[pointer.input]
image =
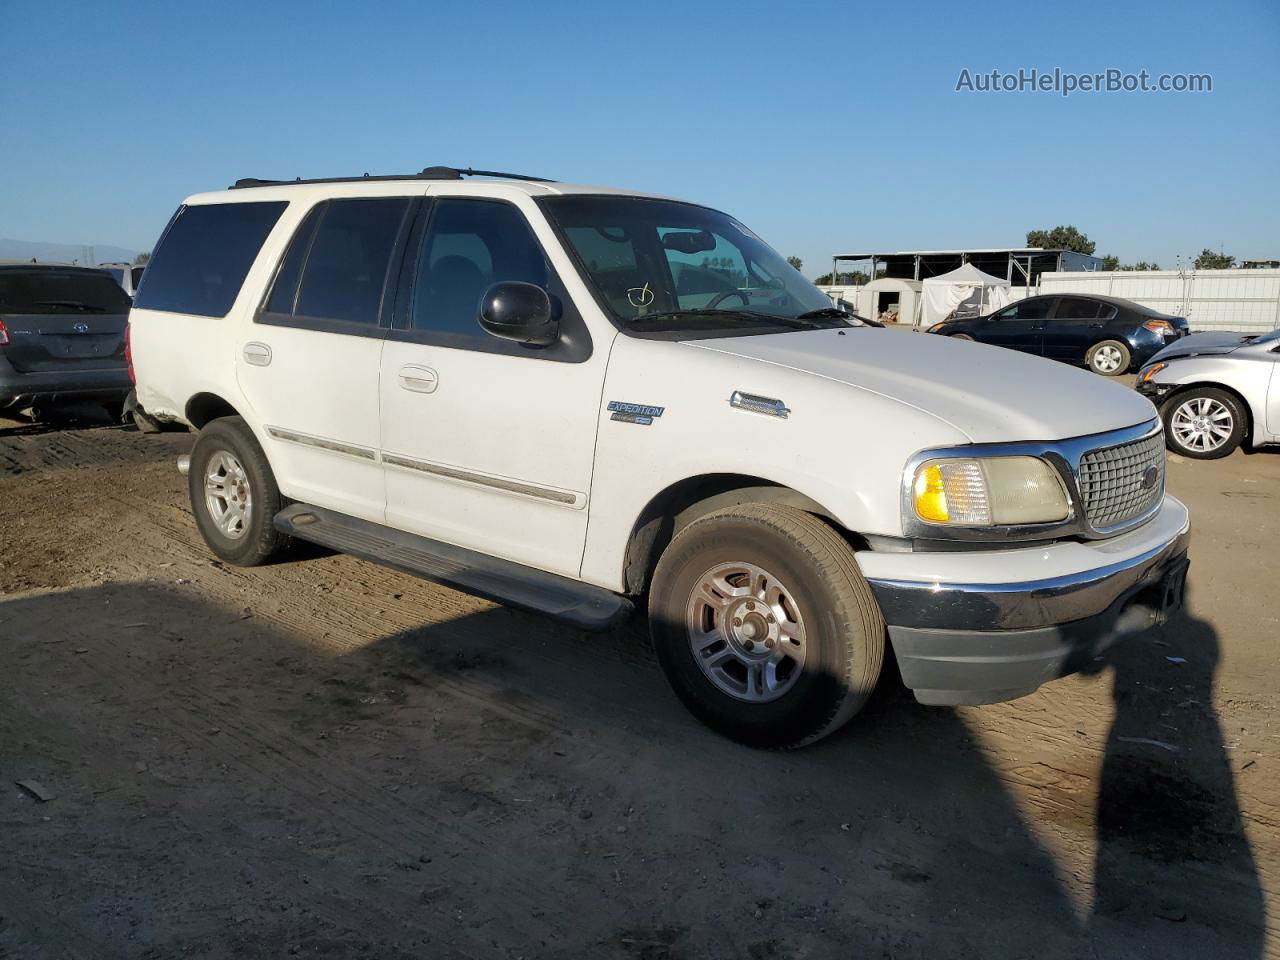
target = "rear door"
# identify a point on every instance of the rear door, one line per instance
(309, 363)
(62, 319)
(1019, 326)
(1076, 324)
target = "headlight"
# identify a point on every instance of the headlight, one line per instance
(989, 491)
(936, 327)
(1151, 371)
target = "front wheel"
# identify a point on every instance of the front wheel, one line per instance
(1110, 358)
(234, 495)
(764, 625)
(961, 336)
(1203, 423)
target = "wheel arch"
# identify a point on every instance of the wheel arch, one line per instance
(206, 407)
(680, 504)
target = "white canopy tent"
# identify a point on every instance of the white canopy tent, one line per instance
(965, 292)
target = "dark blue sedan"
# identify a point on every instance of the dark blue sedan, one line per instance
(1109, 335)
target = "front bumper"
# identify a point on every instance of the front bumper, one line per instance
(963, 633)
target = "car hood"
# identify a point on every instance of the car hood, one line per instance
(1202, 344)
(988, 393)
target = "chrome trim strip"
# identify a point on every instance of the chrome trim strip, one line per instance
(1030, 604)
(333, 446)
(480, 479)
(754, 403)
(1063, 455)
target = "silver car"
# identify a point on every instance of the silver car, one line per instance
(1216, 391)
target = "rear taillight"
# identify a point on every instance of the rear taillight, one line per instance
(1160, 326)
(4, 334)
(128, 355)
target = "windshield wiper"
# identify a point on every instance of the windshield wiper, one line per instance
(795, 323)
(71, 303)
(824, 313)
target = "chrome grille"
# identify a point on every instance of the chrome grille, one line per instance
(1111, 481)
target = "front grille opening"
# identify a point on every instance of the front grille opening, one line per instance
(1115, 482)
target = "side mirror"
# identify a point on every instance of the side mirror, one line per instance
(519, 311)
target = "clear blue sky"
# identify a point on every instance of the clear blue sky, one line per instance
(824, 126)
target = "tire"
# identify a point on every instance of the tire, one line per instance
(1204, 423)
(241, 532)
(813, 590)
(961, 336)
(1110, 358)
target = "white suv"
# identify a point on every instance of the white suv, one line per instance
(569, 398)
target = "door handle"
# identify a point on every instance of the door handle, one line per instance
(258, 354)
(418, 379)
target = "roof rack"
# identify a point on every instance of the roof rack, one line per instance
(430, 173)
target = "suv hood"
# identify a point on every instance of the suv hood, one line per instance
(990, 394)
(1202, 344)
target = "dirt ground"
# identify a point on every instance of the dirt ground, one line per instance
(323, 758)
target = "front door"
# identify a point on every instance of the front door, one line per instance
(487, 443)
(1019, 326)
(309, 365)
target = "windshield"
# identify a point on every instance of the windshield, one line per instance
(678, 266)
(52, 291)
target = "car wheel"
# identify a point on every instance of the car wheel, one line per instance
(764, 625)
(1111, 358)
(961, 336)
(234, 494)
(1204, 423)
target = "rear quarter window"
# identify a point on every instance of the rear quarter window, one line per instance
(204, 255)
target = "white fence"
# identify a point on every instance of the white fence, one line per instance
(1245, 300)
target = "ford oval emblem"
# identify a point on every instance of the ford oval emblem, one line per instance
(1149, 477)
(81, 328)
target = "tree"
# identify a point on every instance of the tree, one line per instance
(1061, 238)
(795, 262)
(1110, 262)
(1208, 260)
(141, 259)
(857, 278)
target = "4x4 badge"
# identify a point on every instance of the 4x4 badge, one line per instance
(640, 413)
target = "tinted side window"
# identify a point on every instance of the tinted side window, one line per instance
(470, 245)
(346, 267)
(285, 289)
(1027, 310)
(204, 256)
(1076, 308)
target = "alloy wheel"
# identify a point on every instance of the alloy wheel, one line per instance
(1202, 424)
(227, 495)
(746, 632)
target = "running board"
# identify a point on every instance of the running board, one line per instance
(585, 606)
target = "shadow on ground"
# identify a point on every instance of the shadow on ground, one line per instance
(500, 786)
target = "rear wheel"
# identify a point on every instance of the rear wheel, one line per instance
(1110, 358)
(1204, 423)
(764, 625)
(234, 495)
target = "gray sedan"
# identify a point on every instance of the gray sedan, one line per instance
(1216, 391)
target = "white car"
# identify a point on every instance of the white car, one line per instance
(577, 400)
(128, 275)
(1215, 391)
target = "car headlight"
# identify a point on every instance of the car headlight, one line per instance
(936, 327)
(989, 491)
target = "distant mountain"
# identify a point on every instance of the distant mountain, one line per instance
(65, 252)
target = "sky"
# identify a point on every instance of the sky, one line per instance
(825, 127)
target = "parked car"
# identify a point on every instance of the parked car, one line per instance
(1216, 391)
(577, 400)
(61, 335)
(128, 275)
(1107, 334)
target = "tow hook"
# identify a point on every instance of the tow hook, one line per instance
(184, 464)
